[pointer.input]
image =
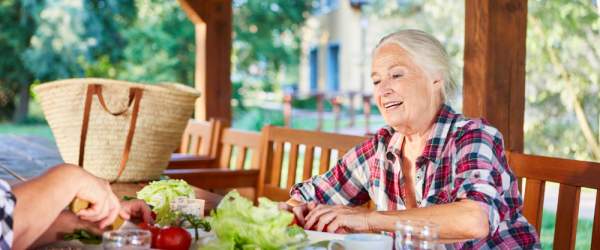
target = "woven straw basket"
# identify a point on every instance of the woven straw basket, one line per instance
(124, 132)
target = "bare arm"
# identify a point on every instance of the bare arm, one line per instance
(458, 221)
(66, 222)
(41, 200)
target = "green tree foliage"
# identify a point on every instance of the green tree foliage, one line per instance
(563, 79)
(17, 27)
(71, 32)
(139, 40)
(267, 41)
(161, 44)
(48, 40)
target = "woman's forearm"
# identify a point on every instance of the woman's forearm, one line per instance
(458, 221)
(40, 200)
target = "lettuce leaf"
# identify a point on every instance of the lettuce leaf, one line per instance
(240, 225)
(159, 194)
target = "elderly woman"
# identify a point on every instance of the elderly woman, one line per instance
(430, 163)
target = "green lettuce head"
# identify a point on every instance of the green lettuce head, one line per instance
(240, 225)
(159, 195)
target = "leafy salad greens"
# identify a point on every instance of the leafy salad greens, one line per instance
(240, 225)
(159, 194)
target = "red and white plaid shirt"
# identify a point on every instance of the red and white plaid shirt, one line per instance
(463, 159)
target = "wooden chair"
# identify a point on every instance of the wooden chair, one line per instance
(572, 175)
(285, 147)
(236, 167)
(198, 145)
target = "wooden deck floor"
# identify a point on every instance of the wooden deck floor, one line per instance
(28, 156)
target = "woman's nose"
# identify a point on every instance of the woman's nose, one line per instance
(384, 89)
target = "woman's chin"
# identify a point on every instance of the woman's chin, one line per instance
(397, 124)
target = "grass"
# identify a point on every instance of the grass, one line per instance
(584, 231)
(34, 125)
(41, 130)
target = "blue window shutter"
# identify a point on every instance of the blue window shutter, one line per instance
(333, 68)
(313, 60)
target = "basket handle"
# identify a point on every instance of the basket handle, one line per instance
(135, 96)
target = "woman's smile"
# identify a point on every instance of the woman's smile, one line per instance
(392, 105)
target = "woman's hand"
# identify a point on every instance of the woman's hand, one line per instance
(299, 209)
(66, 222)
(338, 219)
(136, 209)
(104, 204)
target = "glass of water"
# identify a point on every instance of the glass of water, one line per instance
(127, 239)
(416, 235)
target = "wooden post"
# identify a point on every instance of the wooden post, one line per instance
(213, 24)
(494, 72)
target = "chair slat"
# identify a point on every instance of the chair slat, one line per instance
(271, 157)
(566, 217)
(571, 172)
(596, 228)
(309, 151)
(185, 143)
(194, 148)
(292, 165)
(277, 161)
(533, 203)
(255, 155)
(241, 157)
(225, 157)
(324, 163)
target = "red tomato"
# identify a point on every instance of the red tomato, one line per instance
(173, 238)
(153, 231)
(295, 222)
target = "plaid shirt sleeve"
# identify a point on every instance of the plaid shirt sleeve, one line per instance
(345, 184)
(7, 205)
(482, 174)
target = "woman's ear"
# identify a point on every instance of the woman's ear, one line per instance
(438, 81)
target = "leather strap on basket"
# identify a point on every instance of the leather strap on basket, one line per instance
(135, 96)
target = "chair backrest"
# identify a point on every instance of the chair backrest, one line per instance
(572, 175)
(239, 149)
(284, 149)
(200, 138)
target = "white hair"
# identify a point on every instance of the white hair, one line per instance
(427, 52)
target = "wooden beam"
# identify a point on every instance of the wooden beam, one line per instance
(216, 178)
(213, 24)
(494, 71)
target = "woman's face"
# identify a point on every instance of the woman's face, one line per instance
(407, 97)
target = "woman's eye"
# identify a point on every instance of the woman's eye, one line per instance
(376, 82)
(396, 76)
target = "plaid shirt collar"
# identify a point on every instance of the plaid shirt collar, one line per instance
(435, 142)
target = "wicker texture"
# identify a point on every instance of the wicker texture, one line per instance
(163, 115)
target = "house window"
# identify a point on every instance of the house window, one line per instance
(333, 68)
(313, 60)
